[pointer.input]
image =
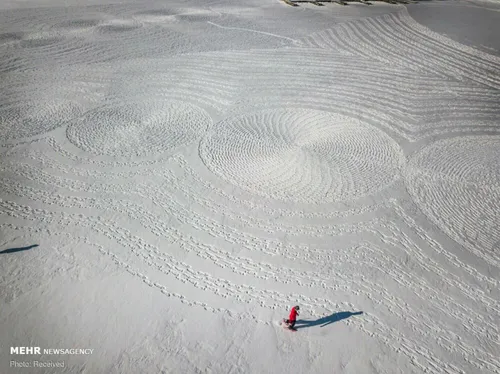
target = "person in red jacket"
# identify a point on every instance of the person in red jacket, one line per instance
(292, 318)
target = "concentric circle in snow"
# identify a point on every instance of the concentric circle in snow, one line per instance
(77, 25)
(35, 118)
(302, 155)
(137, 129)
(456, 183)
(117, 27)
(40, 39)
(155, 15)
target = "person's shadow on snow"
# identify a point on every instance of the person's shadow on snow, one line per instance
(323, 321)
(13, 250)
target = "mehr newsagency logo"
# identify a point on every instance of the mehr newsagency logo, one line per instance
(50, 351)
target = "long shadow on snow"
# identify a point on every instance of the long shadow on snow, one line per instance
(323, 321)
(12, 250)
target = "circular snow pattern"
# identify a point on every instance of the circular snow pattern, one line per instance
(137, 129)
(35, 118)
(40, 39)
(456, 183)
(155, 15)
(114, 27)
(302, 155)
(77, 24)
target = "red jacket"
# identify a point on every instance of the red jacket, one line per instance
(293, 314)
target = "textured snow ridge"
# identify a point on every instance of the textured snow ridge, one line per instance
(189, 171)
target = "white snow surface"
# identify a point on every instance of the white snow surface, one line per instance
(176, 175)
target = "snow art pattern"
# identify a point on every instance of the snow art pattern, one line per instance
(238, 170)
